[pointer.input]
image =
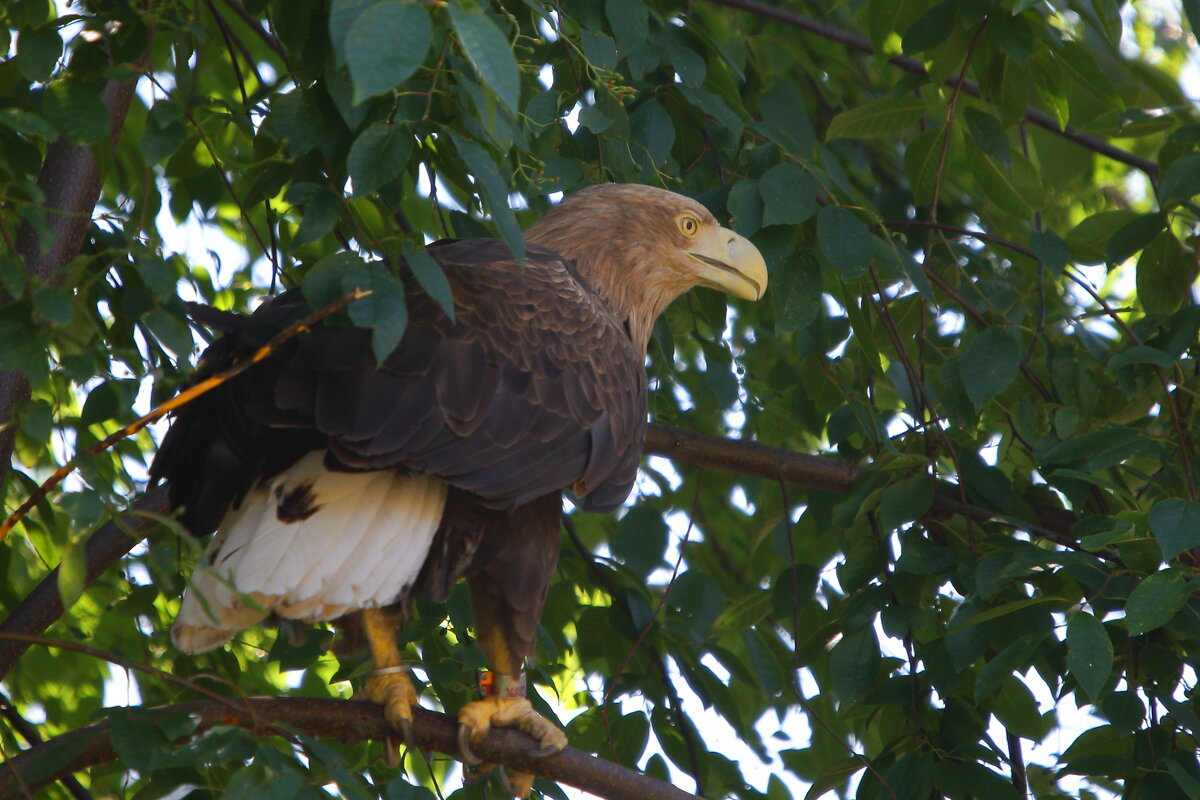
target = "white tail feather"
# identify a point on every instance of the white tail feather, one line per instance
(359, 543)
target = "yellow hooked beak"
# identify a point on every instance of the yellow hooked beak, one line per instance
(729, 262)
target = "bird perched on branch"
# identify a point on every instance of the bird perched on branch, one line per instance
(339, 486)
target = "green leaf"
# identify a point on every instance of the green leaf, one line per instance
(745, 205)
(489, 52)
(1155, 600)
(38, 51)
(796, 293)
(431, 276)
(27, 124)
(1181, 181)
(378, 155)
(990, 363)
(789, 195)
(342, 15)
(641, 540)
(170, 330)
(844, 240)
(1089, 239)
(164, 132)
(320, 217)
(1017, 710)
(1164, 274)
(883, 116)
(1050, 249)
(1176, 525)
(295, 119)
(72, 573)
(54, 303)
(323, 284)
(494, 193)
(651, 126)
(1089, 652)
(920, 164)
(989, 135)
(58, 754)
(1005, 187)
(1135, 235)
(931, 28)
(594, 119)
(76, 110)
(383, 311)
(12, 274)
(855, 663)
(905, 501)
(136, 740)
(384, 46)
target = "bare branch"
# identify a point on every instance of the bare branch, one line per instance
(355, 721)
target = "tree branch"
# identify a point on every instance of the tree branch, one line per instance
(862, 44)
(70, 179)
(355, 721)
(112, 541)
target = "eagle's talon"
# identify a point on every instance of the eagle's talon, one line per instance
(546, 751)
(464, 748)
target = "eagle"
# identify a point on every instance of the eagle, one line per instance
(339, 486)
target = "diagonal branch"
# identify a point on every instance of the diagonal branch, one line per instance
(354, 721)
(862, 44)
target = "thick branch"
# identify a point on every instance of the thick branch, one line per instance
(862, 44)
(352, 721)
(70, 179)
(820, 472)
(112, 541)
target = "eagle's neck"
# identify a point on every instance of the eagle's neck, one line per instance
(620, 271)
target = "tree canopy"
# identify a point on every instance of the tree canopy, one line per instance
(922, 523)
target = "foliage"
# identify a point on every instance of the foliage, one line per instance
(980, 311)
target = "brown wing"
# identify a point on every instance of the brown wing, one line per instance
(534, 387)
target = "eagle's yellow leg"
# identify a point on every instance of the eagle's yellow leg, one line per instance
(477, 718)
(389, 684)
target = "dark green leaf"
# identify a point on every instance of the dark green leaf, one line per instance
(844, 240)
(1050, 249)
(494, 192)
(905, 501)
(931, 28)
(1089, 652)
(789, 195)
(76, 110)
(1089, 239)
(1181, 181)
(27, 124)
(38, 51)
(54, 303)
(1176, 525)
(430, 275)
(342, 14)
(989, 135)
(170, 330)
(320, 217)
(651, 126)
(489, 52)
(323, 284)
(1164, 274)
(641, 540)
(990, 363)
(383, 311)
(921, 158)
(745, 205)
(384, 46)
(883, 116)
(855, 663)
(378, 155)
(1134, 236)
(594, 119)
(796, 293)
(1155, 600)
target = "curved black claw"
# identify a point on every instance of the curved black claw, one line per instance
(406, 733)
(464, 747)
(391, 752)
(543, 752)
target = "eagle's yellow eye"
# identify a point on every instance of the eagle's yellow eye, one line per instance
(688, 224)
